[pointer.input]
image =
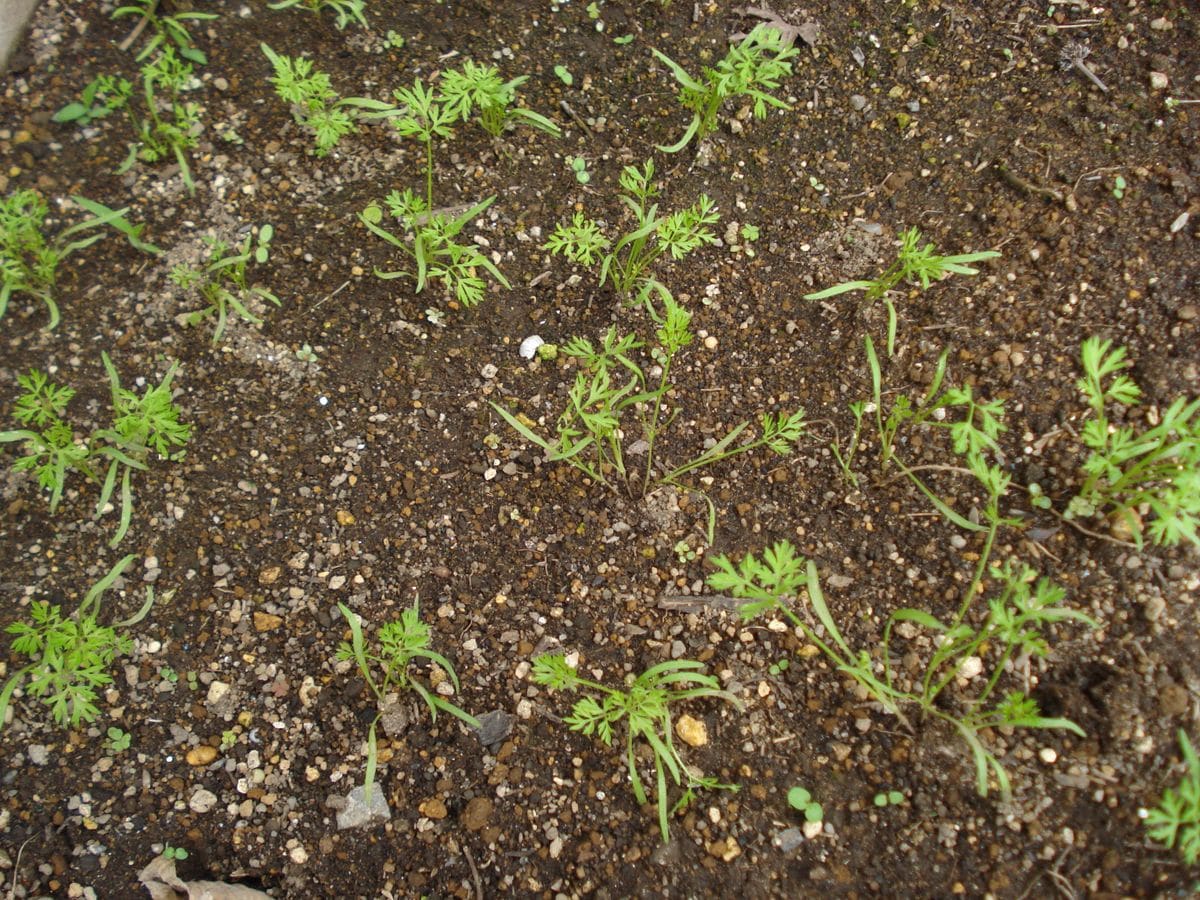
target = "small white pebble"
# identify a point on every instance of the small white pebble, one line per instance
(710, 342)
(1048, 756)
(529, 346)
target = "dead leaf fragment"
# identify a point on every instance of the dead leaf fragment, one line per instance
(809, 32)
(160, 880)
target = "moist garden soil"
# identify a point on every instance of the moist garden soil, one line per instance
(372, 471)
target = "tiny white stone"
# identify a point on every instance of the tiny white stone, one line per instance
(812, 829)
(1047, 755)
(529, 346)
(299, 855)
(488, 371)
(971, 666)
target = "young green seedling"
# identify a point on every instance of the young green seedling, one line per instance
(612, 387)
(345, 11)
(140, 425)
(1175, 822)
(171, 125)
(750, 69)
(401, 643)
(315, 105)
(913, 262)
(222, 281)
(434, 246)
(1158, 468)
(29, 262)
(626, 263)
(802, 801)
(645, 708)
(1012, 628)
(479, 89)
(166, 31)
(118, 739)
(69, 657)
(103, 95)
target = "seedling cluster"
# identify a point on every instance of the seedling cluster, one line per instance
(965, 659)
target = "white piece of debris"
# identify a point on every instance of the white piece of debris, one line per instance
(1180, 221)
(160, 880)
(529, 346)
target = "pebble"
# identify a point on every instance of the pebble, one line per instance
(789, 839)
(269, 575)
(39, 754)
(1161, 24)
(264, 622)
(1159, 81)
(813, 829)
(1173, 700)
(1187, 312)
(336, 582)
(858, 101)
(358, 811)
(691, 731)
(477, 814)
(202, 755)
(1048, 755)
(529, 346)
(434, 808)
(220, 699)
(202, 801)
(488, 372)
(298, 855)
(345, 517)
(726, 850)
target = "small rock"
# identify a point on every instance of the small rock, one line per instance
(1173, 700)
(812, 829)
(202, 755)
(298, 855)
(494, 727)
(477, 814)
(858, 102)
(726, 850)
(269, 575)
(202, 801)
(433, 808)
(264, 622)
(360, 811)
(345, 517)
(691, 731)
(39, 754)
(1187, 312)
(488, 372)
(1159, 81)
(789, 839)
(1161, 24)
(221, 699)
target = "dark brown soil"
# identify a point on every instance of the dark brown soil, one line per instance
(379, 474)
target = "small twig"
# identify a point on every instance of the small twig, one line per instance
(330, 296)
(474, 873)
(1012, 178)
(566, 107)
(138, 28)
(1073, 55)
(12, 892)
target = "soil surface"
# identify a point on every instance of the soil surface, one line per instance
(345, 451)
